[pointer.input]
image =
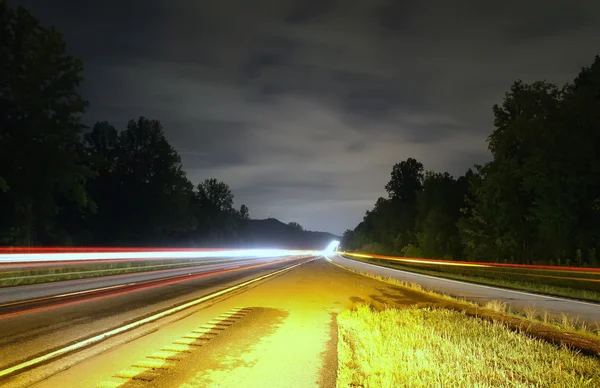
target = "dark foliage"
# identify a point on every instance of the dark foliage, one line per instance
(537, 201)
(107, 186)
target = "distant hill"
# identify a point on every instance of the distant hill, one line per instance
(272, 233)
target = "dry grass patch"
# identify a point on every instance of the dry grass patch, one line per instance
(563, 330)
(442, 348)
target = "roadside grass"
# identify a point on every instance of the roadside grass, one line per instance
(584, 286)
(423, 347)
(562, 330)
(27, 277)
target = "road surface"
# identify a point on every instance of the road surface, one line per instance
(27, 292)
(586, 312)
(30, 330)
(282, 333)
(279, 333)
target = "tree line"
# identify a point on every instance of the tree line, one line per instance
(536, 201)
(64, 184)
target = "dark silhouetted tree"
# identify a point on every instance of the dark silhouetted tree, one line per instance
(41, 170)
(141, 191)
(217, 218)
(438, 212)
(296, 226)
(244, 212)
(406, 181)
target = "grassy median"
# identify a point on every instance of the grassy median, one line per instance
(442, 348)
(578, 285)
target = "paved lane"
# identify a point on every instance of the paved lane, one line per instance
(32, 333)
(285, 338)
(19, 293)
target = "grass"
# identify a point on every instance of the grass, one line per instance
(443, 348)
(584, 286)
(46, 275)
(562, 330)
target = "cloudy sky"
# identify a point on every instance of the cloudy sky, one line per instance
(303, 106)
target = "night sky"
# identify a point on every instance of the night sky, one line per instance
(304, 106)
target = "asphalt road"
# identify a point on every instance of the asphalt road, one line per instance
(284, 335)
(27, 292)
(280, 332)
(586, 312)
(31, 332)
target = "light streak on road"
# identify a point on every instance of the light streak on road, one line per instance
(54, 301)
(65, 256)
(111, 333)
(331, 248)
(470, 264)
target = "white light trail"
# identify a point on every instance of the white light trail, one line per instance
(74, 256)
(331, 248)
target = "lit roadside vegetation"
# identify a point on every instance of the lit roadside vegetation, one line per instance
(55, 274)
(584, 286)
(562, 330)
(443, 348)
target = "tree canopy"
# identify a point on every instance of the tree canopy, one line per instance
(61, 184)
(296, 226)
(536, 201)
(41, 165)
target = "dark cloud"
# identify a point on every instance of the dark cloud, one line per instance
(202, 142)
(268, 52)
(397, 15)
(303, 11)
(303, 106)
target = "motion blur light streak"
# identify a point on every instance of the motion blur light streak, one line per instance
(332, 247)
(471, 264)
(145, 254)
(122, 289)
(152, 318)
(15, 250)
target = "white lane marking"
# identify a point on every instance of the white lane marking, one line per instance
(133, 325)
(86, 291)
(479, 285)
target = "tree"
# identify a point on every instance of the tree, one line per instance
(580, 159)
(438, 211)
(296, 226)
(536, 201)
(406, 181)
(348, 240)
(244, 212)
(216, 216)
(527, 194)
(142, 193)
(41, 170)
(215, 196)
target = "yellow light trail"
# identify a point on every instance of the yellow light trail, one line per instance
(420, 261)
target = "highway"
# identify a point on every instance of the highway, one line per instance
(230, 323)
(63, 313)
(35, 291)
(586, 312)
(280, 332)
